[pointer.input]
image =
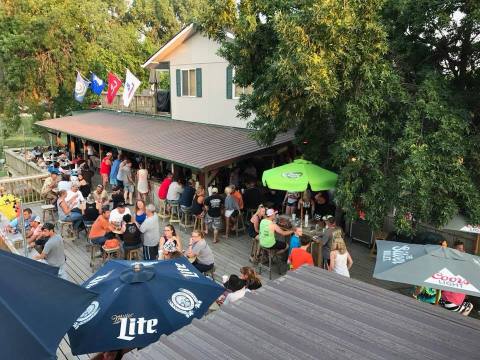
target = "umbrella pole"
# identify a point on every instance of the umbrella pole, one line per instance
(475, 250)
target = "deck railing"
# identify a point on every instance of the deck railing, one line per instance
(18, 165)
(27, 188)
(140, 103)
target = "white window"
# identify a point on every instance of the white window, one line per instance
(238, 90)
(189, 82)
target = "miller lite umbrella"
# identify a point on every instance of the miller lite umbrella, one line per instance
(297, 175)
(138, 302)
(428, 265)
(36, 307)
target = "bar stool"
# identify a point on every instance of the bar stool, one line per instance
(174, 213)
(93, 252)
(185, 217)
(66, 230)
(199, 223)
(110, 253)
(48, 210)
(239, 220)
(271, 255)
(254, 251)
(132, 253)
(162, 211)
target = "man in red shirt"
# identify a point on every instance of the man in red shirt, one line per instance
(105, 167)
(237, 195)
(163, 189)
(300, 256)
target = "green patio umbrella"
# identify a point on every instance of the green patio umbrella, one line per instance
(297, 175)
(428, 265)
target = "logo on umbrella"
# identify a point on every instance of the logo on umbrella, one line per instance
(292, 175)
(96, 280)
(184, 302)
(87, 315)
(446, 278)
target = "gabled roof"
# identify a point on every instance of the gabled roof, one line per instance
(314, 314)
(197, 146)
(182, 36)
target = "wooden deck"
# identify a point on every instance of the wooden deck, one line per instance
(230, 255)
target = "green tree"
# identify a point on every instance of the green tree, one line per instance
(336, 72)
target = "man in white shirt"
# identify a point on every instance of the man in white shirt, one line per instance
(74, 193)
(174, 191)
(116, 215)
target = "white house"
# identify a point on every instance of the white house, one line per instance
(202, 89)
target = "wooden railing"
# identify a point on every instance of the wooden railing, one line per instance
(27, 188)
(19, 166)
(140, 103)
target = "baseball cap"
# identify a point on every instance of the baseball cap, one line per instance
(214, 190)
(100, 186)
(327, 217)
(121, 204)
(48, 226)
(37, 219)
(271, 212)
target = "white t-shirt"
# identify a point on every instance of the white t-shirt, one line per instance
(80, 198)
(116, 217)
(174, 191)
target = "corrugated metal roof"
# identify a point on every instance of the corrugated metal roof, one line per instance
(195, 145)
(313, 314)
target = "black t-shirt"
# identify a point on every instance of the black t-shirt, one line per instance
(131, 237)
(324, 210)
(252, 198)
(91, 213)
(214, 204)
(117, 198)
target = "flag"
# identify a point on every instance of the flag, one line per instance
(131, 85)
(97, 84)
(81, 87)
(114, 84)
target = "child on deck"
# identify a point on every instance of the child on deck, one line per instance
(300, 256)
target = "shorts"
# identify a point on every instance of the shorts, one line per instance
(120, 183)
(213, 222)
(279, 245)
(231, 213)
(129, 187)
(113, 181)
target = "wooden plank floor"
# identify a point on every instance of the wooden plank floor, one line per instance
(230, 255)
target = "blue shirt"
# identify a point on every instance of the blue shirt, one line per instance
(186, 197)
(294, 243)
(14, 223)
(114, 169)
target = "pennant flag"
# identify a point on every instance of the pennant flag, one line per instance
(114, 84)
(97, 84)
(81, 87)
(131, 85)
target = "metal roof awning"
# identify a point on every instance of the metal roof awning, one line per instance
(314, 314)
(197, 146)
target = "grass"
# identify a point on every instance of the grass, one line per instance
(18, 140)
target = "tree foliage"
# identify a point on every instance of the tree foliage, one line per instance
(385, 93)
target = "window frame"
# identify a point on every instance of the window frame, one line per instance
(234, 85)
(194, 70)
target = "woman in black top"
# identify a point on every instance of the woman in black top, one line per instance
(84, 187)
(131, 234)
(198, 199)
(90, 214)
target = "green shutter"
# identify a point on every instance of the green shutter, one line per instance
(178, 80)
(229, 81)
(198, 72)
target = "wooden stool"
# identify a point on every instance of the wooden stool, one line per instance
(48, 210)
(174, 213)
(239, 220)
(93, 253)
(66, 226)
(185, 217)
(132, 253)
(271, 255)
(199, 223)
(210, 273)
(162, 211)
(110, 253)
(254, 251)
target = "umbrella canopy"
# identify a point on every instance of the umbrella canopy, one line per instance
(36, 308)
(428, 265)
(136, 306)
(297, 175)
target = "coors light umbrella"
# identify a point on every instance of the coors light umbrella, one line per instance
(140, 301)
(297, 175)
(428, 265)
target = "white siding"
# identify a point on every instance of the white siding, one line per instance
(213, 107)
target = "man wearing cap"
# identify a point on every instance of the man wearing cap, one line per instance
(100, 196)
(35, 232)
(49, 185)
(13, 226)
(105, 167)
(213, 204)
(267, 232)
(53, 252)
(101, 227)
(116, 215)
